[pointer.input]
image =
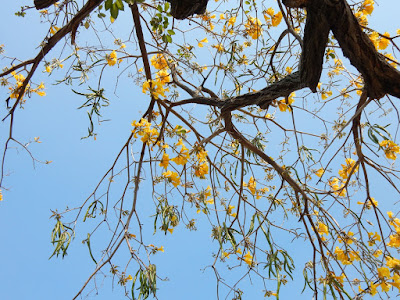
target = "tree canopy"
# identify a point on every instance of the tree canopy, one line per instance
(266, 125)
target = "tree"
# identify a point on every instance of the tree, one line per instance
(265, 119)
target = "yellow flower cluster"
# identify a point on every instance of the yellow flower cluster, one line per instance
(16, 89)
(348, 168)
(111, 58)
(207, 18)
(346, 238)
(172, 177)
(337, 187)
(156, 88)
(394, 238)
(272, 18)
(253, 28)
(143, 128)
(380, 42)
(369, 203)
(251, 185)
(159, 62)
(183, 155)
(203, 197)
(248, 258)
(201, 167)
(284, 105)
(347, 256)
(390, 149)
(384, 277)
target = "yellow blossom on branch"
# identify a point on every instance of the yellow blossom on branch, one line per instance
(159, 62)
(284, 104)
(200, 44)
(253, 27)
(347, 168)
(183, 155)
(164, 161)
(390, 148)
(337, 189)
(320, 172)
(373, 238)
(201, 170)
(367, 7)
(163, 76)
(248, 258)
(156, 88)
(111, 58)
(369, 203)
(172, 177)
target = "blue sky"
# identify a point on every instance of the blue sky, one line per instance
(25, 227)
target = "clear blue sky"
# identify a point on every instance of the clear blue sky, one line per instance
(25, 270)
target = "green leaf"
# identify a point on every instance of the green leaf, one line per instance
(108, 4)
(114, 11)
(119, 4)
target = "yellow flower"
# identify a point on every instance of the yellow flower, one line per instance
(232, 21)
(346, 238)
(372, 289)
(368, 7)
(347, 168)
(201, 170)
(183, 156)
(225, 254)
(111, 58)
(369, 203)
(373, 238)
(253, 28)
(385, 286)
(392, 263)
(377, 253)
(383, 272)
(230, 208)
(158, 61)
(283, 106)
(390, 149)
(164, 161)
(171, 230)
(54, 29)
(172, 177)
(220, 48)
(201, 154)
(395, 239)
(320, 172)
(326, 94)
(322, 229)
(334, 183)
(200, 44)
(384, 42)
(276, 19)
(248, 258)
(251, 185)
(1, 196)
(163, 76)
(156, 88)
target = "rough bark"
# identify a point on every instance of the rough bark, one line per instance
(42, 4)
(181, 9)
